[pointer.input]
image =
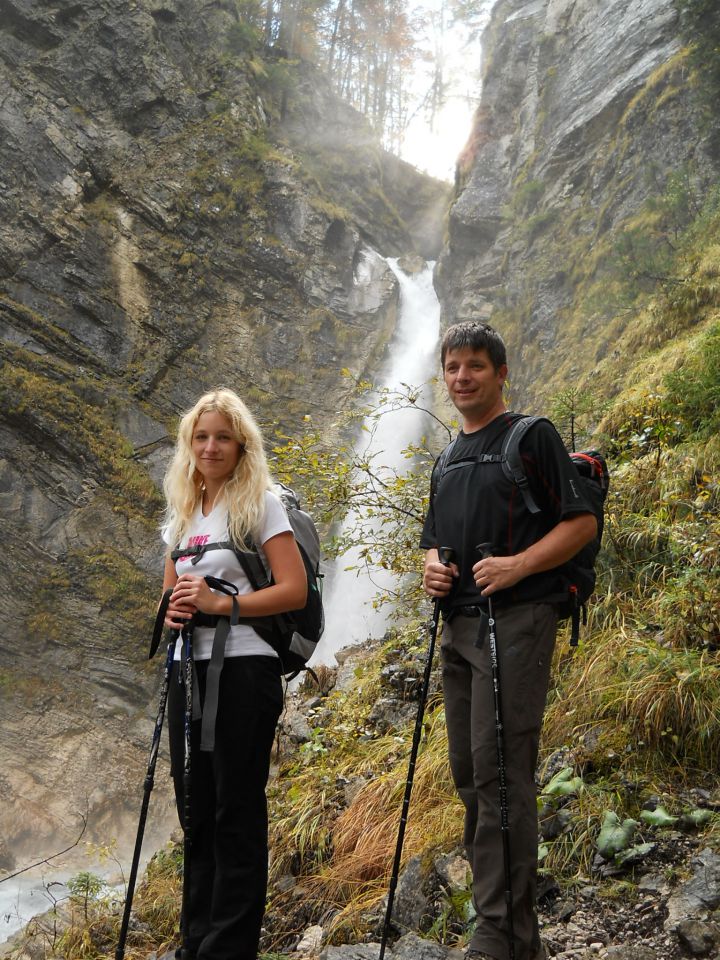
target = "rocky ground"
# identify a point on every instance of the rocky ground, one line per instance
(665, 906)
(661, 921)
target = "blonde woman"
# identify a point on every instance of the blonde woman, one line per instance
(218, 492)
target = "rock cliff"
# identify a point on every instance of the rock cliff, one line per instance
(173, 216)
(586, 115)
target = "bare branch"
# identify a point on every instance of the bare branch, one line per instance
(53, 856)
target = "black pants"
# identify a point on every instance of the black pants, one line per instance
(525, 639)
(228, 807)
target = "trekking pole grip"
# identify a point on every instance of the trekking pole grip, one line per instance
(485, 550)
(446, 555)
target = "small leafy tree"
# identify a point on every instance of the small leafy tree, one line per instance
(649, 427)
(246, 34)
(388, 505)
(571, 411)
(85, 887)
(647, 251)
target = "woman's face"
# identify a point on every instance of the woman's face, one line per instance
(214, 447)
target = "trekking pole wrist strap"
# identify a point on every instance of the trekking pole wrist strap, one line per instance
(159, 623)
(217, 658)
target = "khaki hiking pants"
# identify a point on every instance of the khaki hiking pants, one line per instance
(525, 639)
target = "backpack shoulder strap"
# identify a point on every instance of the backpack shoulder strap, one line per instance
(512, 461)
(253, 567)
(440, 467)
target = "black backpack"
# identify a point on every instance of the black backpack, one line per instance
(594, 480)
(293, 635)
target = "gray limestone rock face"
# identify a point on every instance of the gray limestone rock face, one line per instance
(585, 112)
(453, 870)
(631, 952)
(410, 905)
(362, 951)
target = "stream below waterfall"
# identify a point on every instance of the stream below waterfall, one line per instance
(37, 891)
(350, 587)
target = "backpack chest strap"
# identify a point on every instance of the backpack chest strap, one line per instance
(198, 550)
(471, 461)
(249, 560)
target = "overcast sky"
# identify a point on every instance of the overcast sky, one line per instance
(436, 150)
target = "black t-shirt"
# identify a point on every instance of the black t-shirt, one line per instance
(476, 503)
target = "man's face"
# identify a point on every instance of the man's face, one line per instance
(473, 383)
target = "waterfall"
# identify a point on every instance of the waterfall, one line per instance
(412, 358)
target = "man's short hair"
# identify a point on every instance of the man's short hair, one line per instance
(477, 336)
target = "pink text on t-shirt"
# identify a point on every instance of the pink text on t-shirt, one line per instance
(198, 541)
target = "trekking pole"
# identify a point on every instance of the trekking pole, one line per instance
(187, 635)
(447, 555)
(485, 550)
(148, 786)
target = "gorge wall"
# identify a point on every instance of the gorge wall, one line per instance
(587, 123)
(171, 218)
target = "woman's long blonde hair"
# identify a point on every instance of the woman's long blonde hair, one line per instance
(244, 491)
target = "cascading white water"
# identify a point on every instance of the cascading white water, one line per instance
(349, 613)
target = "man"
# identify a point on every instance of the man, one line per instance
(473, 502)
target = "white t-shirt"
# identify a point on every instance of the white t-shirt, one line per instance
(242, 641)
